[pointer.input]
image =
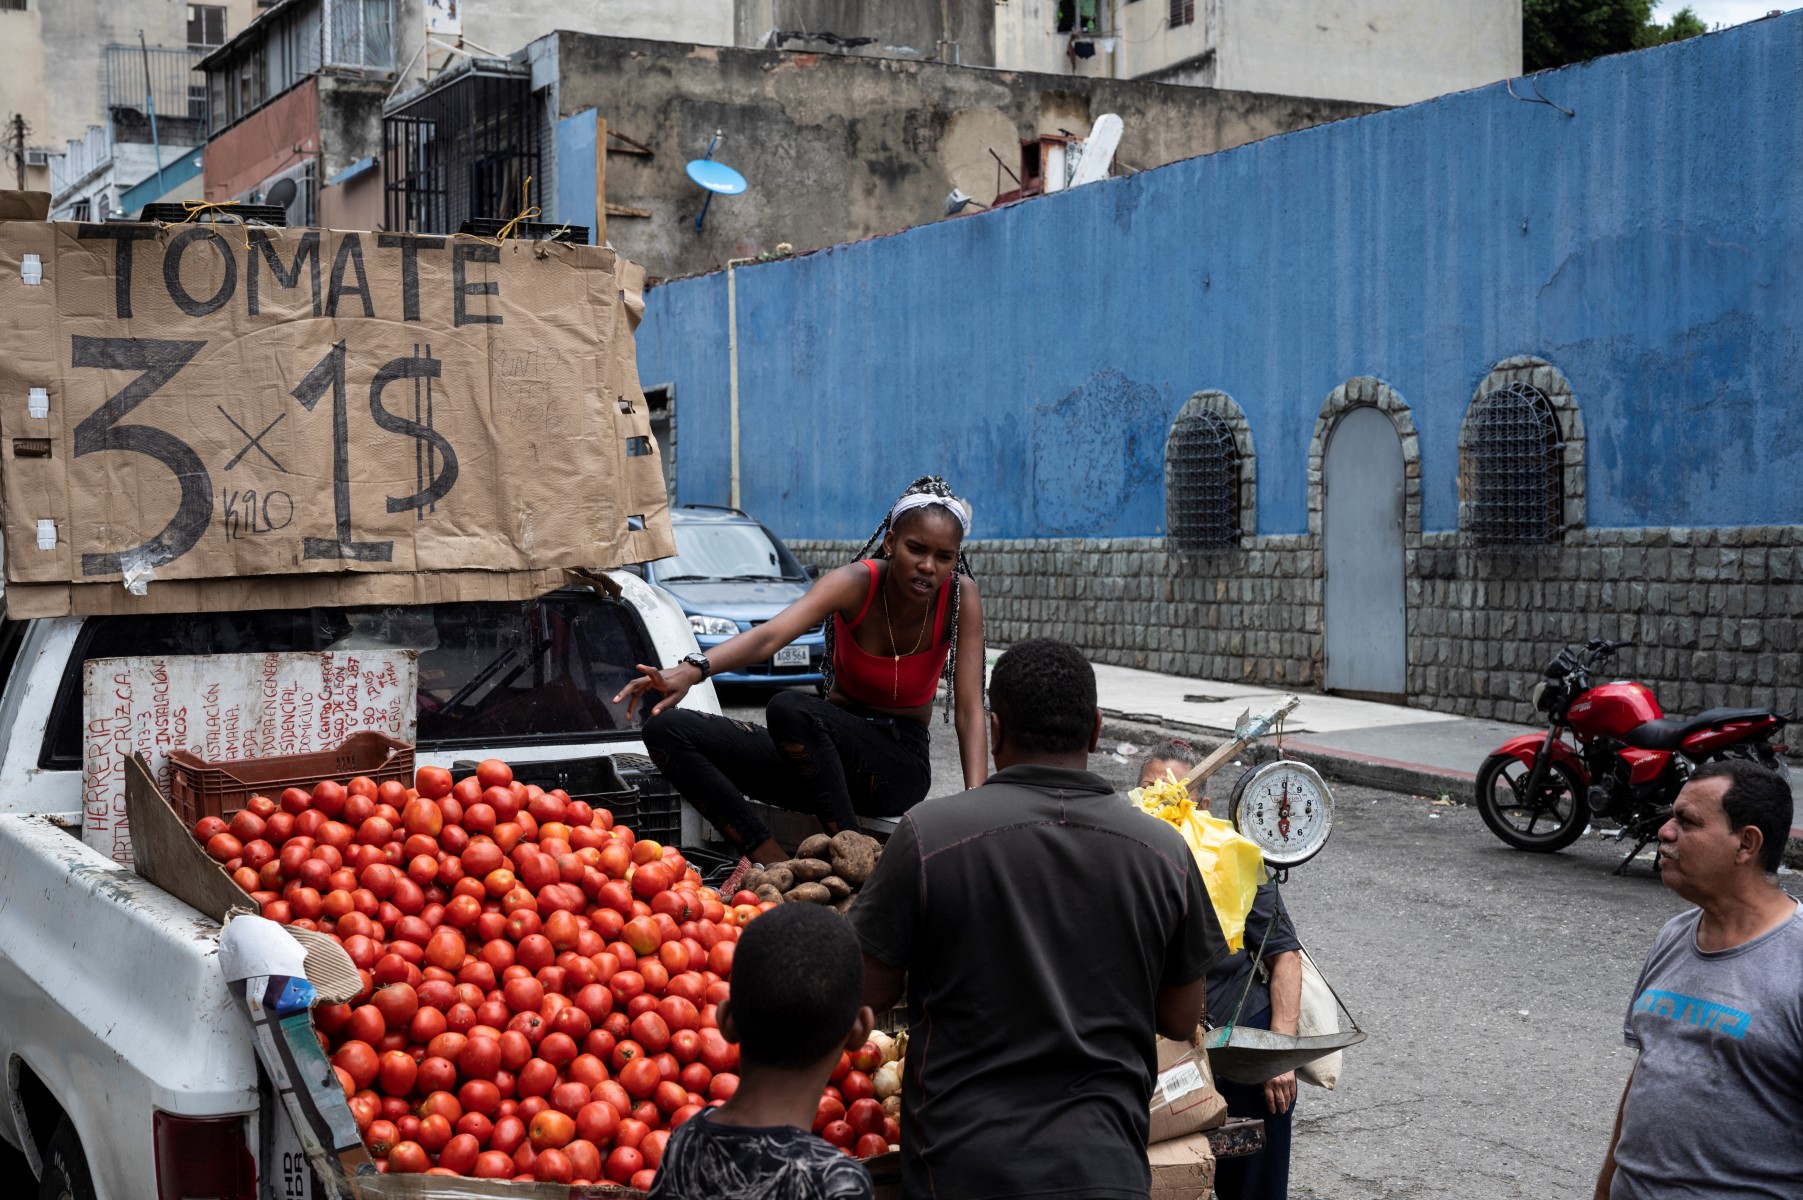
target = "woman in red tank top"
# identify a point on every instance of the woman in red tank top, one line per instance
(898, 622)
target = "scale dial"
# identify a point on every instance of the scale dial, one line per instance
(1286, 809)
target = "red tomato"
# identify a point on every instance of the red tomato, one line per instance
(857, 1086)
(397, 1071)
(551, 1130)
(870, 1145)
(443, 1104)
(509, 1134)
(839, 1133)
(492, 1164)
(585, 1159)
(434, 783)
(640, 1077)
(650, 1031)
(435, 1132)
(408, 1158)
(552, 1166)
(397, 1002)
(598, 1122)
(722, 1086)
(480, 1058)
(825, 1113)
(479, 1096)
(460, 1154)
(493, 773)
(717, 1052)
(436, 1074)
(358, 1058)
(669, 1096)
(696, 1077)
(623, 1164)
(865, 1116)
(569, 1098)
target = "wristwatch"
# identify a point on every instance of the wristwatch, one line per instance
(700, 663)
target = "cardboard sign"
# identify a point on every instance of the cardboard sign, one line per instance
(198, 406)
(226, 707)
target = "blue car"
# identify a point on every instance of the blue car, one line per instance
(729, 574)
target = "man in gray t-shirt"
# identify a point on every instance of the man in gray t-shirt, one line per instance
(1714, 1106)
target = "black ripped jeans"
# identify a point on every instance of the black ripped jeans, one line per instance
(816, 756)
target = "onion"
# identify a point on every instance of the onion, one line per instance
(887, 1081)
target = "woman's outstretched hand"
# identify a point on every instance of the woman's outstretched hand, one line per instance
(672, 683)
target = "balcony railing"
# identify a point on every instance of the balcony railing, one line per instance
(134, 76)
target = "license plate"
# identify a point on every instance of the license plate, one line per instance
(791, 656)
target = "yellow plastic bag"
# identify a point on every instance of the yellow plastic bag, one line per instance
(1232, 866)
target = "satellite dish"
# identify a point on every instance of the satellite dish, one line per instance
(1098, 151)
(716, 177)
(282, 193)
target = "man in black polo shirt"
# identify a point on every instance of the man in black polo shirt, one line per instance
(1045, 929)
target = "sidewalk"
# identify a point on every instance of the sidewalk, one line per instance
(1376, 745)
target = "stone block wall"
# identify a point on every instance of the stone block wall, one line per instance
(1713, 611)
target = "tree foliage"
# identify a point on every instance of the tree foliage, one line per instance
(1557, 32)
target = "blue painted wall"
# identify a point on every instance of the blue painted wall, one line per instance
(1651, 248)
(576, 171)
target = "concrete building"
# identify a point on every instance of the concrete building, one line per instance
(835, 147)
(1378, 51)
(298, 95)
(1397, 405)
(76, 73)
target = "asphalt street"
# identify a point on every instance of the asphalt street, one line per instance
(1492, 983)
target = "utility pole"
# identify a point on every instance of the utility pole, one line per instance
(15, 141)
(150, 100)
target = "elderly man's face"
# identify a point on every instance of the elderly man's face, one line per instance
(1698, 852)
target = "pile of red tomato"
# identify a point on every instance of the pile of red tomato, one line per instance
(539, 985)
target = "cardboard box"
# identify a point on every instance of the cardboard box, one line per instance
(1184, 1097)
(204, 414)
(1183, 1168)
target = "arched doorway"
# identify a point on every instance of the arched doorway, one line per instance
(1363, 510)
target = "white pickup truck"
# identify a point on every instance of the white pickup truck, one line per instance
(129, 1066)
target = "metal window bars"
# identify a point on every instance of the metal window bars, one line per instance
(1516, 464)
(461, 150)
(1202, 484)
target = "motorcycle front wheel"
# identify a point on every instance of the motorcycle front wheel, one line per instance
(1550, 821)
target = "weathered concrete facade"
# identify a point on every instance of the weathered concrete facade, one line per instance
(840, 147)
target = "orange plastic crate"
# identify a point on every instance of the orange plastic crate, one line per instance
(219, 789)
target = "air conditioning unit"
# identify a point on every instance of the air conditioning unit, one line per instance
(37, 158)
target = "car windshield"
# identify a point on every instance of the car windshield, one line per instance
(727, 552)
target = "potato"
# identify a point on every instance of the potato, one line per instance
(779, 877)
(808, 893)
(837, 886)
(753, 880)
(844, 906)
(810, 870)
(854, 856)
(818, 846)
(892, 1106)
(768, 893)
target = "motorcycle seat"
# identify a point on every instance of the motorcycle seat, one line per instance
(1669, 733)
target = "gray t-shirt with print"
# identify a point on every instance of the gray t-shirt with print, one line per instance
(1716, 1105)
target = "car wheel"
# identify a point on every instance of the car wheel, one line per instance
(65, 1167)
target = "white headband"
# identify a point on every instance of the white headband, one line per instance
(913, 500)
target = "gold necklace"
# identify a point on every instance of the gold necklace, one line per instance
(895, 687)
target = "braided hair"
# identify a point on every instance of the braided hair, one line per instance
(926, 485)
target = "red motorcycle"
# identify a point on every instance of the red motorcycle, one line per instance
(1630, 759)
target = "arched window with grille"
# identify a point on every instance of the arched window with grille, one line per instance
(1513, 468)
(1208, 476)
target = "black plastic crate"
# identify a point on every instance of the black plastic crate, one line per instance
(528, 231)
(660, 804)
(595, 781)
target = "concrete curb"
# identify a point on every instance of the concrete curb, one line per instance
(1343, 766)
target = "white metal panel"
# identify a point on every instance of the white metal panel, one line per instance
(1361, 551)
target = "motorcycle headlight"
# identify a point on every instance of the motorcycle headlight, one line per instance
(1542, 696)
(713, 626)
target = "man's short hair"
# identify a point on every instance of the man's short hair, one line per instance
(797, 985)
(1756, 796)
(1174, 750)
(1044, 692)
